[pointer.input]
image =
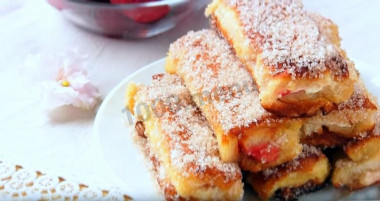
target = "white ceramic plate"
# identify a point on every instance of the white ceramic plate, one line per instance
(126, 162)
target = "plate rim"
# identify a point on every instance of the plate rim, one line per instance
(98, 118)
(122, 83)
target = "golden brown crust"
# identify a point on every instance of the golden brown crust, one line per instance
(216, 79)
(326, 140)
(292, 193)
(140, 129)
(167, 188)
(291, 107)
(164, 183)
(304, 94)
(181, 145)
(349, 120)
(266, 28)
(360, 167)
(206, 64)
(305, 173)
(362, 149)
(356, 175)
(338, 62)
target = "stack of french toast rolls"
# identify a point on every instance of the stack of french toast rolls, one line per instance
(266, 91)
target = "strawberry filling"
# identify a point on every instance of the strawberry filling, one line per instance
(264, 152)
(284, 93)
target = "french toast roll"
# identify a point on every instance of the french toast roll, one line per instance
(354, 118)
(225, 93)
(307, 173)
(356, 175)
(182, 147)
(293, 55)
(360, 167)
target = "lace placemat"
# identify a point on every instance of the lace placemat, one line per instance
(18, 183)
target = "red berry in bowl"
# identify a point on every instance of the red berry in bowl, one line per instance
(129, 1)
(58, 4)
(144, 15)
(109, 21)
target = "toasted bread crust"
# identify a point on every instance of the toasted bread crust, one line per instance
(205, 63)
(356, 175)
(360, 167)
(180, 144)
(292, 193)
(273, 81)
(305, 173)
(325, 140)
(363, 149)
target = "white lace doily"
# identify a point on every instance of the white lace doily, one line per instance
(17, 183)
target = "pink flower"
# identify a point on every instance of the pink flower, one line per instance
(64, 80)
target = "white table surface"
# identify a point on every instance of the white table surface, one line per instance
(64, 146)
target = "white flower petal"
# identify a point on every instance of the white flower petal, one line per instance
(53, 70)
(55, 95)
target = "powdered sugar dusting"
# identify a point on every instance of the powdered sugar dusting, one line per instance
(376, 130)
(209, 68)
(358, 98)
(193, 148)
(289, 38)
(155, 167)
